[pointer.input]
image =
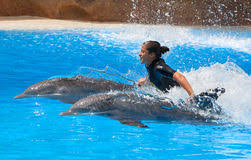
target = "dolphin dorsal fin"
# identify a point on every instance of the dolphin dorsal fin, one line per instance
(131, 122)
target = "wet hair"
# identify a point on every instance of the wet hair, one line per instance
(156, 48)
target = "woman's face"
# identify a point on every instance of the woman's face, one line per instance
(145, 57)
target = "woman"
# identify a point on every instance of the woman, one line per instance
(159, 73)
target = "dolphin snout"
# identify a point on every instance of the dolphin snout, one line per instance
(20, 96)
(65, 113)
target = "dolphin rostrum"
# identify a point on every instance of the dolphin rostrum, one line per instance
(130, 108)
(71, 89)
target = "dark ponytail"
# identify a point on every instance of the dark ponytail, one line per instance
(154, 47)
(164, 49)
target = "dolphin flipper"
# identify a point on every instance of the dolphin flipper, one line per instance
(133, 123)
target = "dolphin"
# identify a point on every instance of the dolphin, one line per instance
(71, 89)
(130, 108)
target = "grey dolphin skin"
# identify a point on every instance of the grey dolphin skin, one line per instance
(71, 89)
(129, 108)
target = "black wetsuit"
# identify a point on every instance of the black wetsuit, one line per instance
(161, 75)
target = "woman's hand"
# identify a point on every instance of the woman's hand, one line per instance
(141, 81)
(191, 100)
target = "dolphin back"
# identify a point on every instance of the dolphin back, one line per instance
(71, 89)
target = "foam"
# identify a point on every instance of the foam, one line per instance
(235, 101)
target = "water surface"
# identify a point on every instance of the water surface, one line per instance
(33, 129)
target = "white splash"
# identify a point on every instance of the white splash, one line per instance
(235, 101)
(172, 36)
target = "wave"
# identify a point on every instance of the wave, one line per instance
(235, 102)
(238, 39)
(172, 36)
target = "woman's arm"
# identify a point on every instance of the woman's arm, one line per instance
(183, 82)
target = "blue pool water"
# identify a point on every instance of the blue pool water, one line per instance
(33, 129)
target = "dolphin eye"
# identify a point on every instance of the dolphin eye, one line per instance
(62, 90)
